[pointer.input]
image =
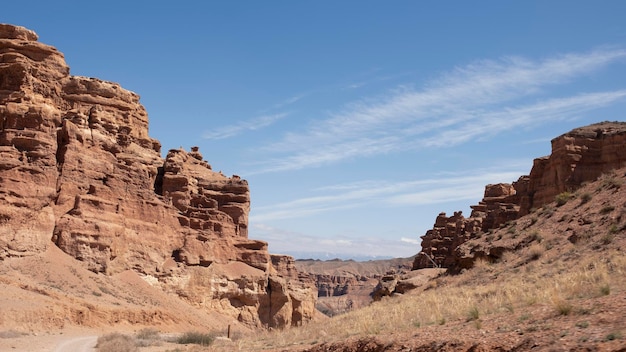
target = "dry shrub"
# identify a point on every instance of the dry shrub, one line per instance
(535, 252)
(197, 338)
(562, 198)
(116, 342)
(585, 197)
(148, 333)
(148, 337)
(563, 307)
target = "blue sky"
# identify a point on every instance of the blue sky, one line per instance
(355, 122)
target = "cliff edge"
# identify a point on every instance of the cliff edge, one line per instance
(79, 171)
(579, 156)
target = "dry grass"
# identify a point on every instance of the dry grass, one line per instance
(196, 338)
(148, 337)
(116, 342)
(558, 285)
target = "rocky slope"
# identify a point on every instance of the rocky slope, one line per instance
(79, 170)
(557, 283)
(577, 157)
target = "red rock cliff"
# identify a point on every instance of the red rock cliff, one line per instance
(78, 167)
(578, 156)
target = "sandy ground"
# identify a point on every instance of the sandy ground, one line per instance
(71, 341)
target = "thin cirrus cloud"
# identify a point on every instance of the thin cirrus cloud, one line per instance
(243, 126)
(281, 241)
(436, 190)
(477, 100)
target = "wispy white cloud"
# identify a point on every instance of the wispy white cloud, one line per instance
(495, 122)
(289, 101)
(410, 240)
(243, 126)
(440, 189)
(281, 241)
(471, 102)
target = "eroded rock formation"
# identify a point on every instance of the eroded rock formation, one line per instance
(79, 170)
(578, 156)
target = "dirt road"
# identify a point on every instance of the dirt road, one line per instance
(78, 344)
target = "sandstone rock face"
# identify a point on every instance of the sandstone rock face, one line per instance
(578, 156)
(337, 285)
(343, 286)
(401, 283)
(31, 108)
(78, 167)
(438, 244)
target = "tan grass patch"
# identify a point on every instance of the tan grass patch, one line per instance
(557, 285)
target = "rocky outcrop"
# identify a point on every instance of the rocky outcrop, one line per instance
(338, 285)
(579, 156)
(79, 170)
(343, 286)
(30, 113)
(292, 293)
(401, 283)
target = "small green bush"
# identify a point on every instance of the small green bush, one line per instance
(613, 336)
(611, 182)
(196, 338)
(582, 324)
(607, 209)
(535, 252)
(562, 198)
(605, 290)
(585, 197)
(546, 211)
(536, 236)
(473, 314)
(607, 238)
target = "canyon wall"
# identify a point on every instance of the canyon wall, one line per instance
(579, 156)
(79, 170)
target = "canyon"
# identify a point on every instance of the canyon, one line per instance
(80, 172)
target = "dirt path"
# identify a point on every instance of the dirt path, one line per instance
(78, 344)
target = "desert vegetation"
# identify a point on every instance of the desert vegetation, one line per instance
(149, 337)
(551, 287)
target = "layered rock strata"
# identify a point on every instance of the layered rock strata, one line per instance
(579, 156)
(79, 170)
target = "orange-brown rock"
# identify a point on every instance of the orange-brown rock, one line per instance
(578, 156)
(79, 170)
(31, 107)
(438, 244)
